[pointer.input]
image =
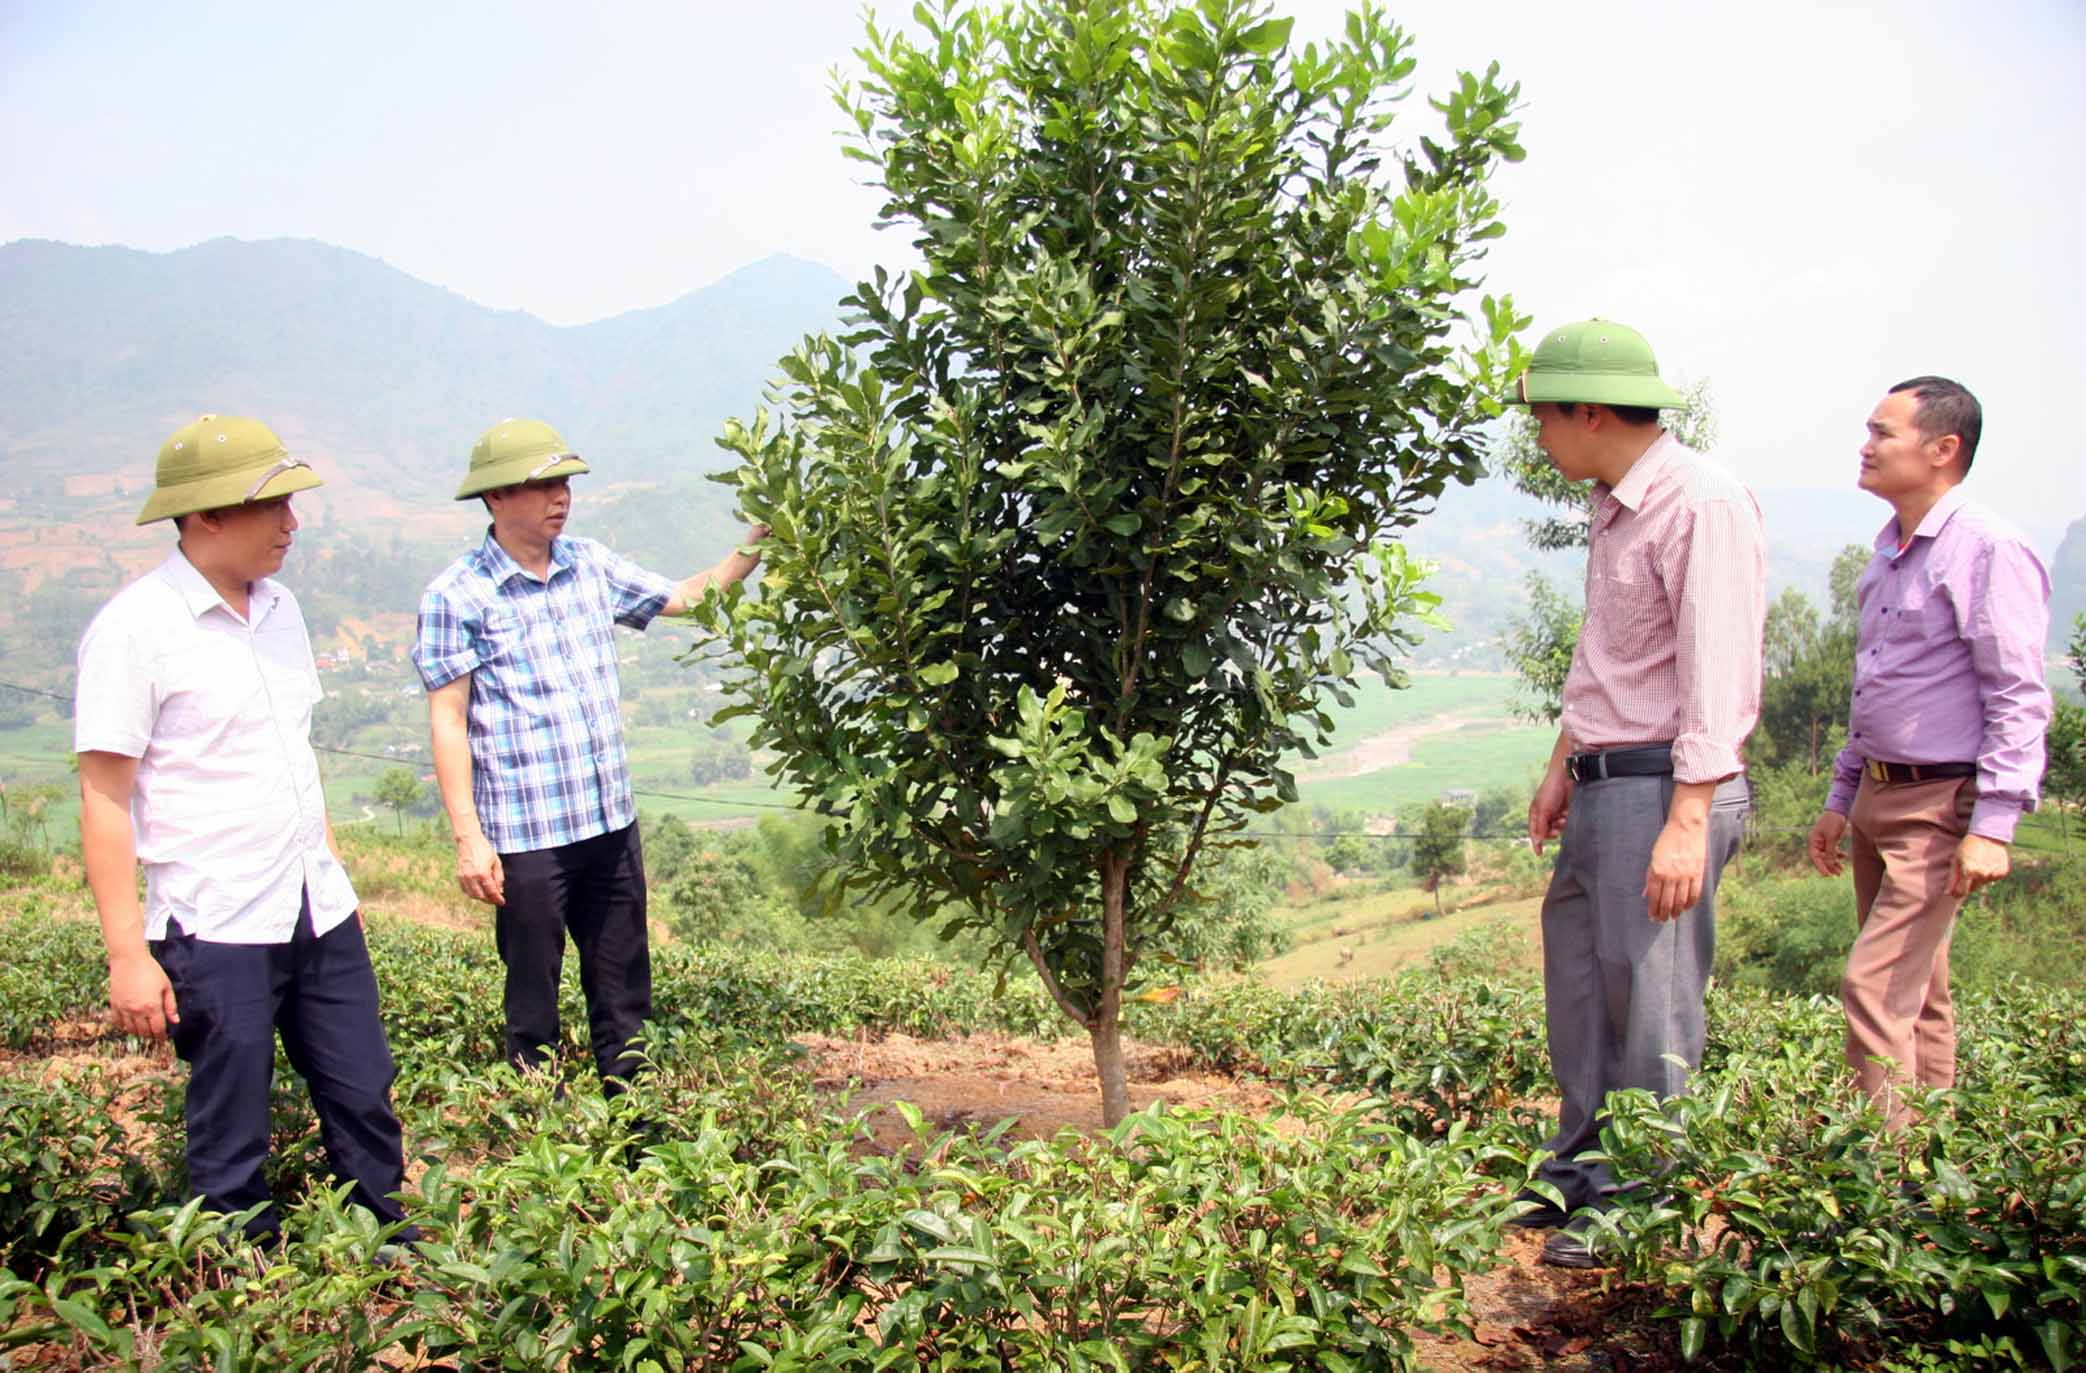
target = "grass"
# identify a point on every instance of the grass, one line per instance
(2043, 833)
(1377, 708)
(1476, 756)
(1386, 931)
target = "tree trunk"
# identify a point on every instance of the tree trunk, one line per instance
(1108, 1064)
(1106, 1027)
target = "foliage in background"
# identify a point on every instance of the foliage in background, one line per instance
(1807, 669)
(2064, 775)
(1437, 848)
(398, 790)
(719, 760)
(765, 887)
(25, 829)
(1079, 529)
(1539, 647)
(2064, 778)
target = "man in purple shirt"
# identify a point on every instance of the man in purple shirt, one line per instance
(1945, 737)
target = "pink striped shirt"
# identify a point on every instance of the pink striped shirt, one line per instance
(1676, 598)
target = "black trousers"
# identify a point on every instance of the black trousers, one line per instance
(319, 993)
(596, 889)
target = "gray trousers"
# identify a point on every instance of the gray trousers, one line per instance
(1621, 991)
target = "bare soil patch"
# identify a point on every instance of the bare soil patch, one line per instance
(980, 1080)
(1386, 750)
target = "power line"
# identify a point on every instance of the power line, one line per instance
(407, 758)
(403, 758)
(37, 691)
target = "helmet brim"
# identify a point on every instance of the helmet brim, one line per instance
(223, 490)
(517, 471)
(1596, 388)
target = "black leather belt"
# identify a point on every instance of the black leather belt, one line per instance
(1916, 772)
(1651, 760)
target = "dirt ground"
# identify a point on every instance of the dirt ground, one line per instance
(1527, 1316)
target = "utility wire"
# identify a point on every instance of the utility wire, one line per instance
(404, 758)
(407, 758)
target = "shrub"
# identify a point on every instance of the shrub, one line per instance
(1784, 934)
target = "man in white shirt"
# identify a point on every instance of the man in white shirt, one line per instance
(193, 727)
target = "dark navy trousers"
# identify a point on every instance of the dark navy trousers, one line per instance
(596, 889)
(320, 994)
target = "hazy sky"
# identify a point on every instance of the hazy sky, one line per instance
(1802, 201)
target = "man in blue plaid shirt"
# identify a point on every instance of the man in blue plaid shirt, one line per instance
(517, 650)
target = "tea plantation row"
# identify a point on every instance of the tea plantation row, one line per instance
(722, 1216)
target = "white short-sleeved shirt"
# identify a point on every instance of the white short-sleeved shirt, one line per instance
(229, 815)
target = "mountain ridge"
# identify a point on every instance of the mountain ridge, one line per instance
(383, 381)
(103, 349)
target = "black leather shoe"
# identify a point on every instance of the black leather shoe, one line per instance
(1542, 1213)
(1573, 1246)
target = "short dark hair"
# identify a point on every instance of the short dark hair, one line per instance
(1946, 407)
(1635, 415)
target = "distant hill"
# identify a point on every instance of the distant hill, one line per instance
(383, 381)
(2067, 583)
(104, 350)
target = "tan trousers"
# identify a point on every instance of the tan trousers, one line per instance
(1903, 838)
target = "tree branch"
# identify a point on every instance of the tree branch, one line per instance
(1083, 1019)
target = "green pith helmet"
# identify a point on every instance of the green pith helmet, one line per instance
(220, 460)
(1596, 360)
(517, 451)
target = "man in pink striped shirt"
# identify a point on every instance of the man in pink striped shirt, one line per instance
(1645, 786)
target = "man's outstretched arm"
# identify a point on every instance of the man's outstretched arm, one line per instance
(735, 567)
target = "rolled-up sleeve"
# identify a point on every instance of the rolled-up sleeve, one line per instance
(444, 647)
(635, 596)
(2008, 620)
(1717, 582)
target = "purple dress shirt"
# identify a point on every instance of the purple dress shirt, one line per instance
(1948, 667)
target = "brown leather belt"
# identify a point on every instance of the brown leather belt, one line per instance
(1916, 772)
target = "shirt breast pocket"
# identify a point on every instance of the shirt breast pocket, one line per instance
(284, 655)
(1920, 615)
(1630, 600)
(504, 637)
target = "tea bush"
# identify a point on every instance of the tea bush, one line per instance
(722, 1215)
(1794, 1231)
(53, 970)
(754, 1232)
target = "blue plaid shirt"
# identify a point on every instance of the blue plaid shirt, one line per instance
(547, 761)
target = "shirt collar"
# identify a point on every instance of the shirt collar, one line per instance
(503, 568)
(200, 597)
(1936, 520)
(1630, 491)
